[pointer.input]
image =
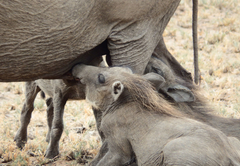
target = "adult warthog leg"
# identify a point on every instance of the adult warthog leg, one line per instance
(31, 90)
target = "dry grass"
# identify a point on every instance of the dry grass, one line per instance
(78, 115)
(219, 49)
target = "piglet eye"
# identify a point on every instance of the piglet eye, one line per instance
(101, 78)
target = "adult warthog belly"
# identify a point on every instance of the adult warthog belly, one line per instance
(44, 39)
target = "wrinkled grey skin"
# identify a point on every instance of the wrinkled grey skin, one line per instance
(60, 91)
(155, 138)
(49, 37)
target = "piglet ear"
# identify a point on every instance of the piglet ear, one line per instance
(117, 89)
(180, 93)
(156, 80)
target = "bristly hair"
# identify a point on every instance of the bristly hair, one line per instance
(144, 93)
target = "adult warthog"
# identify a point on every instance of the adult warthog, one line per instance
(44, 39)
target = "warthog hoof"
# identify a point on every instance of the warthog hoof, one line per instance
(50, 154)
(20, 144)
(20, 140)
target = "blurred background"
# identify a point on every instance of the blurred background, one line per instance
(219, 63)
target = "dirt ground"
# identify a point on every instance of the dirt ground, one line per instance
(219, 61)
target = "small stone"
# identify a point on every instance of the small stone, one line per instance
(210, 72)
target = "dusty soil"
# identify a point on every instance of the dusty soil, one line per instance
(219, 61)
